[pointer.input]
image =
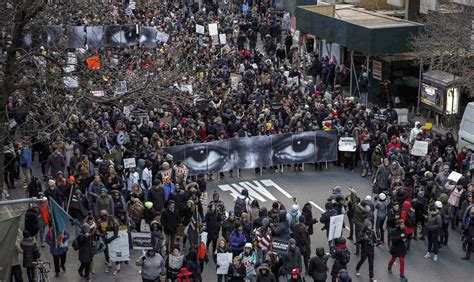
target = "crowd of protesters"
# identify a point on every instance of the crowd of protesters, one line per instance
(82, 168)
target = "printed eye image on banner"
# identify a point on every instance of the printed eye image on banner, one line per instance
(282, 149)
(121, 35)
(257, 151)
(196, 158)
(95, 35)
(219, 156)
(75, 37)
(148, 37)
(303, 148)
(326, 142)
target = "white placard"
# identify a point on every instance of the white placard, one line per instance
(454, 176)
(471, 162)
(224, 260)
(200, 29)
(71, 81)
(141, 241)
(121, 87)
(12, 123)
(347, 144)
(420, 148)
(335, 226)
(120, 137)
(213, 29)
(118, 248)
(215, 40)
(365, 147)
(223, 39)
(128, 163)
(162, 36)
(98, 93)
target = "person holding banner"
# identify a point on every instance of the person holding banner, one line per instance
(173, 263)
(221, 249)
(107, 223)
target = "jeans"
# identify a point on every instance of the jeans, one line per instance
(26, 174)
(16, 273)
(454, 215)
(221, 277)
(433, 242)
(379, 222)
(261, 254)
(402, 264)
(363, 257)
(57, 264)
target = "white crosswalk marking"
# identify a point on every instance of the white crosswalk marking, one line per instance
(257, 190)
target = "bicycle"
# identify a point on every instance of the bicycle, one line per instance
(42, 268)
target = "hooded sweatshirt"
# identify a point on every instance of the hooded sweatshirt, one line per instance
(406, 209)
(414, 132)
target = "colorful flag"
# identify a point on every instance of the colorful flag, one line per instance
(8, 235)
(44, 210)
(59, 220)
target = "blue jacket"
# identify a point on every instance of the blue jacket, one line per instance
(59, 250)
(237, 241)
(26, 158)
(167, 189)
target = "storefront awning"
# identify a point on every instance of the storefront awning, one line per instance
(357, 29)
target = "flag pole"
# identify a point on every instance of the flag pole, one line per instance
(32, 200)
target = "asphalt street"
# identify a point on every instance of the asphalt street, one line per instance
(308, 186)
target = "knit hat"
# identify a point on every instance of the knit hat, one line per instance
(337, 190)
(265, 221)
(51, 182)
(103, 190)
(302, 219)
(231, 213)
(382, 196)
(292, 241)
(438, 204)
(148, 205)
(248, 245)
(86, 228)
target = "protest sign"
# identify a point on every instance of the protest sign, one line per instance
(380, 117)
(71, 81)
(347, 144)
(120, 137)
(215, 40)
(129, 163)
(213, 29)
(98, 93)
(420, 148)
(224, 259)
(127, 110)
(454, 176)
(118, 248)
(200, 29)
(335, 227)
(144, 227)
(141, 241)
(223, 39)
(365, 147)
(162, 37)
(175, 262)
(121, 87)
(279, 245)
(204, 199)
(471, 162)
(12, 123)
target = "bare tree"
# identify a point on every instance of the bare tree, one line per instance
(37, 75)
(446, 43)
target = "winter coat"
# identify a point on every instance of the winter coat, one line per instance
(381, 177)
(404, 215)
(86, 250)
(56, 163)
(237, 241)
(104, 204)
(156, 195)
(318, 265)
(309, 220)
(31, 222)
(180, 196)
(339, 261)
(170, 221)
(434, 221)
(237, 274)
(151, 266)
(227, 228)
(398, 248)
(281, 230)
(292, 259)
(301, 236)
(268, 277)
(61, 250)
(213, 224)
(360, 214)
(367, 240)
(30, 251)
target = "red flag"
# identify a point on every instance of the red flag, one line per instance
(44, 210)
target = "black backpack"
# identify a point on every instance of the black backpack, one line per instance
(410, 219)
(240, 206)
(345, 256)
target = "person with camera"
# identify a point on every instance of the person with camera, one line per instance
(152, 264)
(84, 244)
(367, 241)
(398, 248)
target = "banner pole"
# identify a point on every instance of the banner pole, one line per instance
(261, 168)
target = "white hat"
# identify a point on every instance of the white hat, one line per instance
(438, 204)
(382, 196)
(368, 198)
(51, 182)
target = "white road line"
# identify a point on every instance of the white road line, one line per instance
(322, 210)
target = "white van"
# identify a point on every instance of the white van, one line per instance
(466, 130)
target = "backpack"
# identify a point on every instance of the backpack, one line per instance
(75, 244)
(345, 256)
(410, 219)
(240, 206)
(202, 251)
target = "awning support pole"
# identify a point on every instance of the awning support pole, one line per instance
(352, 73)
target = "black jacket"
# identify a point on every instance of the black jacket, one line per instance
(367, 240)
(213, 224)
(86, 251)
(301, 236)
(309, 220)
(291, 260)
(170, 221)
(318, 266)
